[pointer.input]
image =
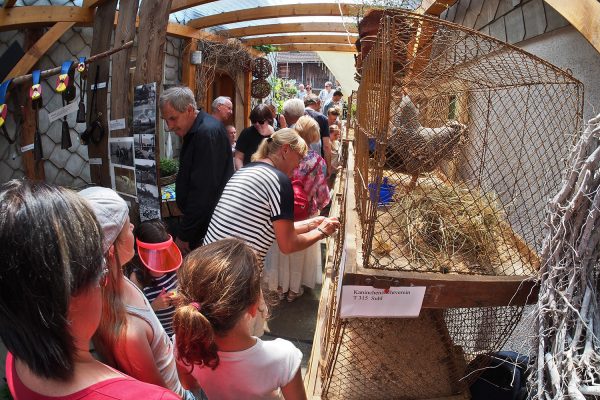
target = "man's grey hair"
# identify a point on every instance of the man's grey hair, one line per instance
(293, 108)
(179, 97)
(218, 101)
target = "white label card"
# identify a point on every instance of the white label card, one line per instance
(61, 112)
(95, 161)
(27, 148)
(366, 301)
(116, 124)
(100, 85)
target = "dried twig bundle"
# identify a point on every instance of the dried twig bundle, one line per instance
(568, 317)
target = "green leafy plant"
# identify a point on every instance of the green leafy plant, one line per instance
(266, 48)
(282, 89)
(168, 166)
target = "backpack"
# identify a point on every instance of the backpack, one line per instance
(301, 200)
(504, 379)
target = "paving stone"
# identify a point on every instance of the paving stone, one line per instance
(472, 13)
(63, 178)
(59, 53)
(553, 19)
(76, 45)
(14, 163)
(85, 174)
(452, 11)
(75, 164)
(66, 36)
(50, 171)
(498, 30)
(487, 13)
(504, 6)
(515, 26)
(54, 132)
(535, 18)
(6, 171)
(463, 6)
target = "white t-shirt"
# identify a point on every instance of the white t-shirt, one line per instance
(255, 373)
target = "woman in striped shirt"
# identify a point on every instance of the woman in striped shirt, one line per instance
(257, 204)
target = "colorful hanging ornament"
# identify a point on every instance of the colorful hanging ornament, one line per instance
(35, 92)
(63, 78)
(3, 107)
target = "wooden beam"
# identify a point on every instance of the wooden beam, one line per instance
(329, 27)
(583, 15)
(317, 47)
(28, 16)
(92, 3)
(435, 7)
(185, 32)
(178, 5)
(290, 39)
(9, 3)
(289, 10)
(36, 51)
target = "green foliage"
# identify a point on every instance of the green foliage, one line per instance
(168, 166)
(282, 90)
(266, 48)
(4, 392)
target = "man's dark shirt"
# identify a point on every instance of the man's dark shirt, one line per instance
(205, 166)
(323, 125)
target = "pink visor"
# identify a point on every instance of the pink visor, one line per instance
(160, 257)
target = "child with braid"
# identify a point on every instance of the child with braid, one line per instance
(218, 297)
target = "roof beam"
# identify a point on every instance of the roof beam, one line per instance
(27, 16)
(290, 39)
(317, 47)
(289, 10)
(329, 27)
(583, 15)
(9, 3)
(178, 5)
(436, 7)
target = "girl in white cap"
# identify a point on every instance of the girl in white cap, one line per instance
(129, 337)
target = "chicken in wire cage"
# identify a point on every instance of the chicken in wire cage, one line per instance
(460, 139)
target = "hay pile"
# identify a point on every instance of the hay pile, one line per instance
(447, 227)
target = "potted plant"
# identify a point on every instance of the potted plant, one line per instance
(168, 170)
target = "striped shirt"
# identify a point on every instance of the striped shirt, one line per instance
(254, 197)
(168, 282)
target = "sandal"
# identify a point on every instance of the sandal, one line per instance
(280, 294)
(291, 296)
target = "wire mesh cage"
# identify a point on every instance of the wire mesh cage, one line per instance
(459, 141)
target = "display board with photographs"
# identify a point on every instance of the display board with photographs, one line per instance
(143, 130)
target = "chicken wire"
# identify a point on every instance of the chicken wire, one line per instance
(502, 124)
(468, 137)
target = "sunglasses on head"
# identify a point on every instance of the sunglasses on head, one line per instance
(263, 121)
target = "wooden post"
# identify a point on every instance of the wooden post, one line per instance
(188, 69)
(34, 170)
(103, 25)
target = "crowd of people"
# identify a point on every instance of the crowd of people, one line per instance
(172, 318)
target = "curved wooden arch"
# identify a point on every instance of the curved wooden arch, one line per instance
(328, 27)
(28, 16)
(178, 5)
(291, 39)
(288, 10)
(346, 48)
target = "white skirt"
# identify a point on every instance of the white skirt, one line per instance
(291, 271)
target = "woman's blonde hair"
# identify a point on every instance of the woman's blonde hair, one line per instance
(272, 144)
(308, 129)
(217, 284)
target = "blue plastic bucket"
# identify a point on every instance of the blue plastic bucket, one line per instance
(385, 195)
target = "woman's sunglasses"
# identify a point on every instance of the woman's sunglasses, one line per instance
(270, 121)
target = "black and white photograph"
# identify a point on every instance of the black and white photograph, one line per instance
(145, 171)
(125, 180)
(148, 200)
(144, 119)
(145, 95)
(144, 147)
(121, 151)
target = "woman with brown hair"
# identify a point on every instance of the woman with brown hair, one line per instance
(52, 268)
(218, 298)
